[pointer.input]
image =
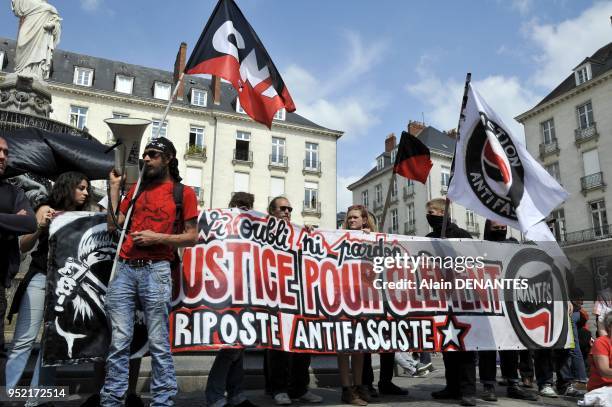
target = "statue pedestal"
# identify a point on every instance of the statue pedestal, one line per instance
(25, 95)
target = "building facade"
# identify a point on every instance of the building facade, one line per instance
(406, 213)
(570, 132)
(220, 149)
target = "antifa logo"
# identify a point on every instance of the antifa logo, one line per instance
(494, 169)
(536, 312)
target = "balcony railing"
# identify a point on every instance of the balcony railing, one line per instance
(408, 192)
(394, 198)
(243, 157)
(587, 235)
(280, 162)
(473, 228)
(195, 152)
(409, 228)
(586, 134)
(550, 148)
(592, 181)
(311, 208)
(312, 167)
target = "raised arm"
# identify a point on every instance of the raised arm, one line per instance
(114, 181)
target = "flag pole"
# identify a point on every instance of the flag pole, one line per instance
(468, 78)
(129, 212)
(387, 202)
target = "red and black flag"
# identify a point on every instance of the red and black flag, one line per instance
(230, 49)
(413, 159)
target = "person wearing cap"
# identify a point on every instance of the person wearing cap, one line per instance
(143, 271)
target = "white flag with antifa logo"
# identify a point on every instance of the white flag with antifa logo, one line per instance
(494, 174)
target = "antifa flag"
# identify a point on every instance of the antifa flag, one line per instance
(81, 254)
(494, 174)
(49, 154)
(230, 49)
(413, 159)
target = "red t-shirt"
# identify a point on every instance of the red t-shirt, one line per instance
(602, 346)
(155, 210)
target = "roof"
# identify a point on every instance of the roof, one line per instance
(105, 71)
(436, 140)
(601, 62)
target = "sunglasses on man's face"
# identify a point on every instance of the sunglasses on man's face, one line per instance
(285, 209)
(152, 154)
(498, 228)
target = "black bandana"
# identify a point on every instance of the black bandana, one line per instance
(162, 144)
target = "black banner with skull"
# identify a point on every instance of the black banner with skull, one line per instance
(81, 254)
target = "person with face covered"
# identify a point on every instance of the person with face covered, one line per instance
(143, 272)
(509, 359)
(460, 367)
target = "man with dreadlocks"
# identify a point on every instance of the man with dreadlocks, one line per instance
(152, 237)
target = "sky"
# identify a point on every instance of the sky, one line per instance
(365, 67)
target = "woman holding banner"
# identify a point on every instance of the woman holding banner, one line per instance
(71, 192)
(356, 393)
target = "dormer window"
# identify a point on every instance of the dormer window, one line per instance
(83, 76)
(582, 74)
(393, 155)
(124, 84)
(280, 114)
(161, 90)
(1, 60)
(198, 97)
(239, 108)
(380, 163)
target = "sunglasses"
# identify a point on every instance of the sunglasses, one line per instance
(152, 154)
(498, 228)
(285, 208)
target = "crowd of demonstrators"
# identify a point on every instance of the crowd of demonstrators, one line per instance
(71, 192)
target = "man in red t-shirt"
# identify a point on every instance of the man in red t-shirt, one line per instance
(601, 358)
(144, 271)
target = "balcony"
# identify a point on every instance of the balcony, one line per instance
(410, 228)
(279, 162)
(311, 208)
(195, 152)
(473, 228)
(586, 134)
(394, 198)
(550, 148)
(408, 192)
(244, 157)
(592, 182)
(587, 235)
(312, 167)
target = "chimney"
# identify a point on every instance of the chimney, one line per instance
(216, 90)
(179, 66)
(390, 142)
(415, 128)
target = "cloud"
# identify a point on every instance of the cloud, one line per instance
(91, 5)
(332, 100)
(522, 6)
(345, 197)
(564, 45)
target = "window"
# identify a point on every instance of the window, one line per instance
(193, 178)
(119, 115)
(394, 187)
(243, 140)
(239, 108)
(157, 131)
(380, 163)
(393, 155)
(78, 116)
(124, 84)
(553, 170)
(280, 114)
(161, 90)
(1, 60)
(445, 177)
(196, 136)
(277, 186)
(469, 217)
(548, 131)
(599, 217)
(582, 74)
(585, 115)
(198, 97)
(394, 221)
(311, 195)
(411, 214)
(241, 182)
(278, 150)
(83, 76)
(378, 193)
(365, 200)
(559, 225)
(312, 156)
(590, 162)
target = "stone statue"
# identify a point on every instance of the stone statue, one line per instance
(39, 34)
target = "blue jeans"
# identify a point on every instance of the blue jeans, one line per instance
(153, 287)
(574, 365)
(227, 373)
(29, 320)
